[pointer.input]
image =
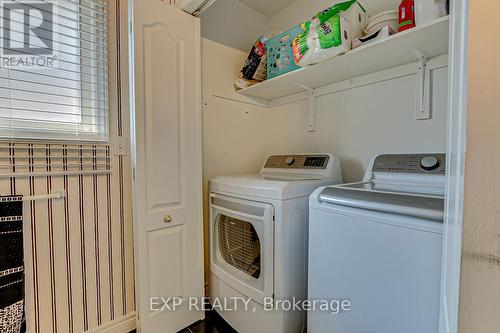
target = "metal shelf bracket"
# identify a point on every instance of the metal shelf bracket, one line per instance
(423, 85)
(311, 113)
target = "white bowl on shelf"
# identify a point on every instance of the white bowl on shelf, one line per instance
(385, 19)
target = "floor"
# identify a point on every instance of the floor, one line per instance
(213, 323)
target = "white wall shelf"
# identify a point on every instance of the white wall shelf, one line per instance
(430, 41)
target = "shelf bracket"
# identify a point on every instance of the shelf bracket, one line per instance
(311, 113)
(423, 85)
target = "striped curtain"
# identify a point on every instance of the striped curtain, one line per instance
(12, 318)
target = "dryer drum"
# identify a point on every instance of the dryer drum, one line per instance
(239, 245)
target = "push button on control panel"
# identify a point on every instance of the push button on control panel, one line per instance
(289, 160)
(429, 163)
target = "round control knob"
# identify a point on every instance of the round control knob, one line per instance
(289, 160)
(429, 163)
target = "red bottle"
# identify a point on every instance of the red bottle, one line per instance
(406, 15)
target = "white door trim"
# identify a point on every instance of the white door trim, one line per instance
(457, 125)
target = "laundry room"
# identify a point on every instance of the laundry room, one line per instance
(241, 166)
(361, 117)
(372, 111)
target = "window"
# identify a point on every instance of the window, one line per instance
(54, 70)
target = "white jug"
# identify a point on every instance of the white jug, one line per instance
(427, 11)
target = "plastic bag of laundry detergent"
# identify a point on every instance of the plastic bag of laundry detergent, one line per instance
(254, 69)
(303, 43)
(330, 33)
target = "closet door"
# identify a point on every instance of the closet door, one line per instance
(168, 184)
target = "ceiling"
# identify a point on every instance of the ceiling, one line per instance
(268, 7)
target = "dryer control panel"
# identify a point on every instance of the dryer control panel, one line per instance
(302, 167)
(297, 162)
(411, 163)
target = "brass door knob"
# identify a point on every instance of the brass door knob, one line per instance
(167, 219)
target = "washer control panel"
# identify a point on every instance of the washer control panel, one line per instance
(297, 162)
(411, 163)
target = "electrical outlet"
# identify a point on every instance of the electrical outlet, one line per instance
(120, 146)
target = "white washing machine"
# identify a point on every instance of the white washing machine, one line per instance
(377, 246)
(258, 240)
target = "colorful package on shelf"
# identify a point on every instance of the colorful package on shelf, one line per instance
(254, 69)
(330, 33)
(280, 52)
(406, 15)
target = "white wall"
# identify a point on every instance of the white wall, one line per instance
(233, 133)
(355, 124)
(233, 23)
(234, 138)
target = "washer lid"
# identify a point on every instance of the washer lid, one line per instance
(271, 188)
(403, 203)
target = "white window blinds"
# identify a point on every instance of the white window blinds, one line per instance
(54, 70)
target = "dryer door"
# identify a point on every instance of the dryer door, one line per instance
(241, 245)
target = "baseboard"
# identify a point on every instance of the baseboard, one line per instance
(124, 324)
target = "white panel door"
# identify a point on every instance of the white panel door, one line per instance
(167, 146)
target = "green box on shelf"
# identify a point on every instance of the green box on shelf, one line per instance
(280, 53)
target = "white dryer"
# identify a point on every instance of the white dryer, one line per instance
(377, 245)
(258, 239)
